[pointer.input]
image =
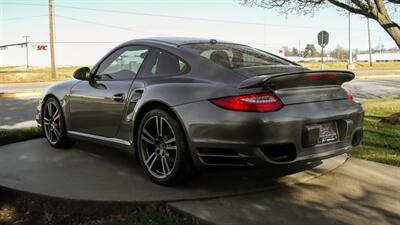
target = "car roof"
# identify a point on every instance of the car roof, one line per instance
(176, 41)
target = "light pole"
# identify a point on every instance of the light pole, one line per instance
(26, 51)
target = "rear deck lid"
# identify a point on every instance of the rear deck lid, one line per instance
(302, 86)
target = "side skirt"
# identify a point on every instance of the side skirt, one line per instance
(112, 142)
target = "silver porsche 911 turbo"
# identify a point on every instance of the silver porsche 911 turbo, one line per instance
(180, 104)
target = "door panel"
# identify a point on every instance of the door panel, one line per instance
(97, 107)
(135, 94)
(94, 109)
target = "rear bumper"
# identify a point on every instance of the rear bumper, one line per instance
(219, 137)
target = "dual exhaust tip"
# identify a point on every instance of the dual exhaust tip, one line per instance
(357, 138)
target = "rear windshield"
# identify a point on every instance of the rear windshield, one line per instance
(235, 56)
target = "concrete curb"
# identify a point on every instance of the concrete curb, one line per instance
(274, 187)
(172, 204)
(346, 192)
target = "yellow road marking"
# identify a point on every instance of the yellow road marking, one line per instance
(21, 94)
(377, 76)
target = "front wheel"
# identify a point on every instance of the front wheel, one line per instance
(53, 124)
(162, 147)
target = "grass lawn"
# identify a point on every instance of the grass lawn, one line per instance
(360, 66)
(8, 137)
(13, 74)
(381, 141)
(24, 209)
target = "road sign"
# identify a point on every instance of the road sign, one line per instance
(323, 38)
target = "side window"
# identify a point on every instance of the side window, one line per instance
(122, 64)
(163, 63)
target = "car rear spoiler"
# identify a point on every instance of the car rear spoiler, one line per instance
(298, 79)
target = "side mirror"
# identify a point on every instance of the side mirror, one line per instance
(82, 73)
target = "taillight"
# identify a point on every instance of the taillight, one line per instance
(324, 76)
(321, 76)
(259, 102)
(349, 95)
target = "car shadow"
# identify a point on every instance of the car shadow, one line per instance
(211, 178)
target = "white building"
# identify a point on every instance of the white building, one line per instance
(311, 59)
(65, 54)
(379, 57)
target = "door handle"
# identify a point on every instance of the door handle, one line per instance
(118, 97)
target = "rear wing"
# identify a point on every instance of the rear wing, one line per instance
(298, 79)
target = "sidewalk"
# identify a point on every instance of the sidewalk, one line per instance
(358, 192)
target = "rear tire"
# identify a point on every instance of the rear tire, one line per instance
(162, 148)
(53, 124)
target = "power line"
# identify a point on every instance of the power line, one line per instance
(76, 42)
(111, 26)
(22, 18)
(118, 42)
(4, 47)
(178, 17)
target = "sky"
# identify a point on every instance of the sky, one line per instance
(86, 29)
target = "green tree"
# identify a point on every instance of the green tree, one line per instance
(309, 51)
(378, 10)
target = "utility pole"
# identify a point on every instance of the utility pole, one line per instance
(26, 51)
(52, 59)
(299, 52)
(369, 44)
(350, 65)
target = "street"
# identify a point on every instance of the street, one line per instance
(20, 112)
(375, 88)
(6, 88)
(17, 113)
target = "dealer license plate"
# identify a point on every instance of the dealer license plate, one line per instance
(328, 133)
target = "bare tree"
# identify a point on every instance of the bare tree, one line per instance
(340, 53)
(378, 10)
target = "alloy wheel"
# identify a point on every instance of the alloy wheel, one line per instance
(159, 149)
(52, 122)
